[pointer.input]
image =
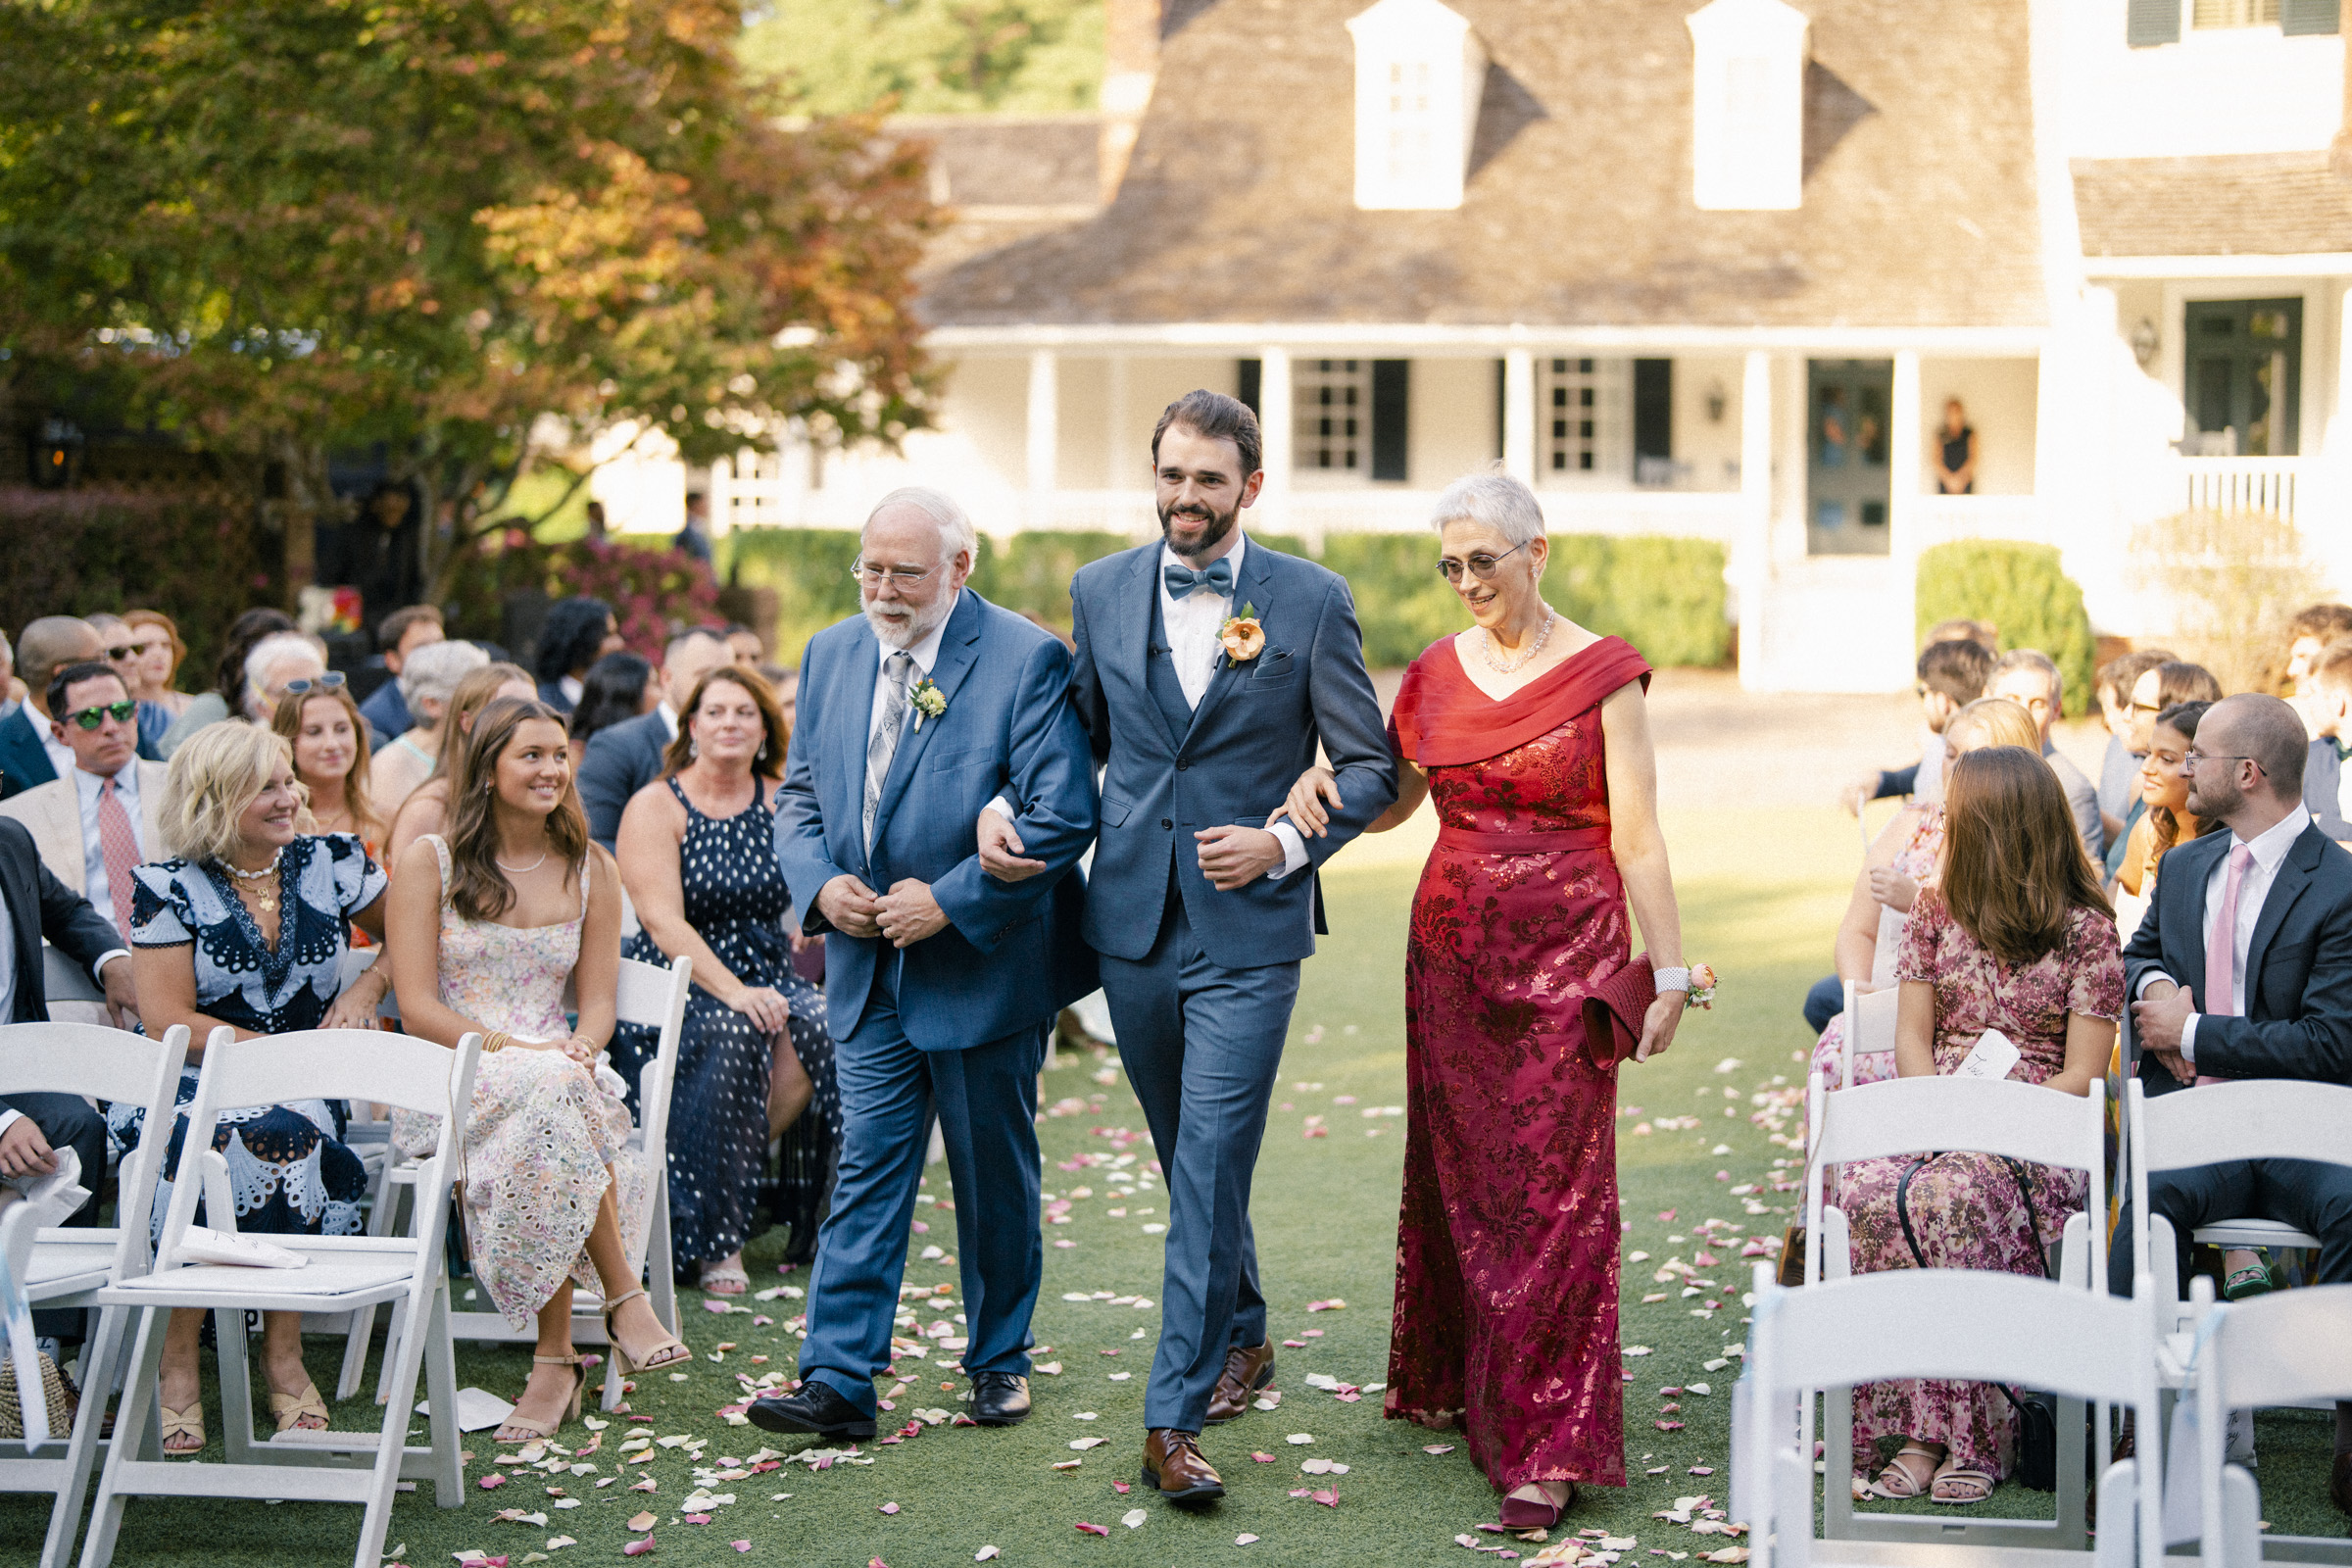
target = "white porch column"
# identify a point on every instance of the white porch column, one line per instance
(1274, 426)
(1045, 421)
(1751, 556)
(1519, 416)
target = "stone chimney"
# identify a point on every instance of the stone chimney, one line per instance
(1130, 65)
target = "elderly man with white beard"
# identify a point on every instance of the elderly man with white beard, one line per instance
(940, 981)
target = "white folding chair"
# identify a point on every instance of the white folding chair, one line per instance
(2289, 1348)
(1869, 1026)
(1992, 1116)
(338, 1273)
(1932, 1323)
(655, 997)
(65, 1268)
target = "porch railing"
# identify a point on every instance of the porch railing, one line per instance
(2242, 484)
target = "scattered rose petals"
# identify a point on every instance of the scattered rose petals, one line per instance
(986, 1554)
(489, 1480)
(1083, 1443)
(1300, 1438)
(1668, 1426)
(1262, 1458)
(1702, 1469)
(740, 1546)
(1093, 1530)
(1243, 1539)
(1134, 1518)
(637, 1548)
(644, 1521)
(1332, 1305)
(1437, 1447)
(1328, 1496)
(888, 1507)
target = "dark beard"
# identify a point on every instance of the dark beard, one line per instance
(1220, 523)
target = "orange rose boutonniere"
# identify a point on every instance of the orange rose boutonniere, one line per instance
(1242, 637)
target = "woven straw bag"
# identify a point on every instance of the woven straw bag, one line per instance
(53, 1385)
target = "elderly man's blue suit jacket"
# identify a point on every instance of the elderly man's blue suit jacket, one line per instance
(1011, 954)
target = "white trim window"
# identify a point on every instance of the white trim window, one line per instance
(1419, 74)
(1582, 432)
(1332, 427)
(1747, 105)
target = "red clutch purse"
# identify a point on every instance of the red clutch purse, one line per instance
(1615, 1010)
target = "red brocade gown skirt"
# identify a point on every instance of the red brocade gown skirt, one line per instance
(1508, 1242)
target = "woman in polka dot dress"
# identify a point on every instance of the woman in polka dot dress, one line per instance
(698, 856)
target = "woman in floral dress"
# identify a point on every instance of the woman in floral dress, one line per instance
(488, 925)
(2018, 937)
(1901, 862)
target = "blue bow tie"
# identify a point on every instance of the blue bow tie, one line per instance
(1216, 577)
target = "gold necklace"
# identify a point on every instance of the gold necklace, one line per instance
(264, 898)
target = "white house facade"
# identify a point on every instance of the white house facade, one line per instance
(1709, 272)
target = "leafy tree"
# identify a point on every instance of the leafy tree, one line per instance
(438, 224)
(930, 56)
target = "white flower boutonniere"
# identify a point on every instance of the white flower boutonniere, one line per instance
(928, 701)
(1241, 636)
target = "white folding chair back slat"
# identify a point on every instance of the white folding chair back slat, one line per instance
(1869, 1026)
(338, 1274)
(66, 1268)
(2289, 1348)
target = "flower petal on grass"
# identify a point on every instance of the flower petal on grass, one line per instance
(1093, 1530)
(1134, 1518)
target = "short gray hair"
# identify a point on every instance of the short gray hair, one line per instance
(2031, 658)
(276, 646)
(434, 670)
(1496, 499)
(955, 531)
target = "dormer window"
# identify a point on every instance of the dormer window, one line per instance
(1419, 71)
(1747, 105)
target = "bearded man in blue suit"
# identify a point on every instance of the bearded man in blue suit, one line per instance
(941, 982)
(1209, 669)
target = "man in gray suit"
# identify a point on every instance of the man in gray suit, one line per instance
(1201, 915)
(625, 758)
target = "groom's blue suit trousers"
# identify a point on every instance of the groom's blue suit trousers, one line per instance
(985, 1100)
(1201, 1045)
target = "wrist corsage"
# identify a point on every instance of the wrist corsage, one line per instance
(1241, 636)
(1696, 983)
(928, 701)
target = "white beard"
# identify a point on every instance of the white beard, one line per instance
(912, 629)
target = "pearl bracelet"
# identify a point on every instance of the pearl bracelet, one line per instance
(1673, 980)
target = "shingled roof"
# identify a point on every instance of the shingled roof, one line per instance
(2254, 204)
(1238, 206)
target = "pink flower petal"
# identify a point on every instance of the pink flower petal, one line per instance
(637, 1548)
(1329, 1496)
(489, 1480)
(740, 1546)
(1093, 1530)
(888, 1507)
(1263, 1458)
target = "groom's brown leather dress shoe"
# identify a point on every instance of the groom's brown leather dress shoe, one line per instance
(1174, 1468)
(1247, 1369)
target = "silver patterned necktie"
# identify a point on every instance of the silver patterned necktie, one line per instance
(885, 744)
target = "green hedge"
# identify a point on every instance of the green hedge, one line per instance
(2022, 591)
(1665, 596)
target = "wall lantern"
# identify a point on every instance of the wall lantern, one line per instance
(1716, 401)
(2144, 342)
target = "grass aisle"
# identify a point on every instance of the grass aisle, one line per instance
(1761, 892)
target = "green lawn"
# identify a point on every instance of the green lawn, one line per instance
(1761, 891)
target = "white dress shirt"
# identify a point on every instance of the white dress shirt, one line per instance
(94, 885)
(61, 755)
(670, 717)
(2270, 849)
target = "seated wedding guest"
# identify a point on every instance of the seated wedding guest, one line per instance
(2016, 937)
(488, 924)
(1952, 671)
(246, 925)
(1903, 858)
(2119, 765)
(153, 669)
(227, 698)
(577, 633)
(427, 808)
(330, 742)
(627, 756)
(2164, 786)
(400, 634)
(93, 825)
(429, 679)
(276, 661)
(619, 687)
(2239, 971)
(2311, 630)
(698, 853)
(2030, 678)
(2327, 712)
(30, 754)
(2175, 680)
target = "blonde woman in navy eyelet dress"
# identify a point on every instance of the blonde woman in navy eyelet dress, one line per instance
(697, 856)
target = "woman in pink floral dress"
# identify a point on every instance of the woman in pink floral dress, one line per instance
(1903, 860)
(486, 927)
(2018, 937)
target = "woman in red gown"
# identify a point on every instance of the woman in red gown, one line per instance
(1531, 734)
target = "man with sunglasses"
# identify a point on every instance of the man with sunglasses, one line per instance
(98, 820)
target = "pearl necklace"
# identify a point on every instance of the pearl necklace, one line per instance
(1524, 660)
(264, 898)
(521, 870)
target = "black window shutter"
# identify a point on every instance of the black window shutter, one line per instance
(2304, 17)
(1653, 409)
(1391, 379)
(2147, 22)
(1250, 381)
(1502, 380)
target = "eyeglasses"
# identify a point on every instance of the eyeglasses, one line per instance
(2189, 760)
(92, 717)
(903, 576)
(118, 653)
(1482, 566)
(2146, 707)
(328, 683)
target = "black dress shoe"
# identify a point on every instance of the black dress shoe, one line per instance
(2340, 1481)
(1000, 1398)
(816, 1409)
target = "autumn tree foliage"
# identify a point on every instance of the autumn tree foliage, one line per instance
(446, 226)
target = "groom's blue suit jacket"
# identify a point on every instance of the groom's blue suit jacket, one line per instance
(1011, 954)
(1232, 760)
